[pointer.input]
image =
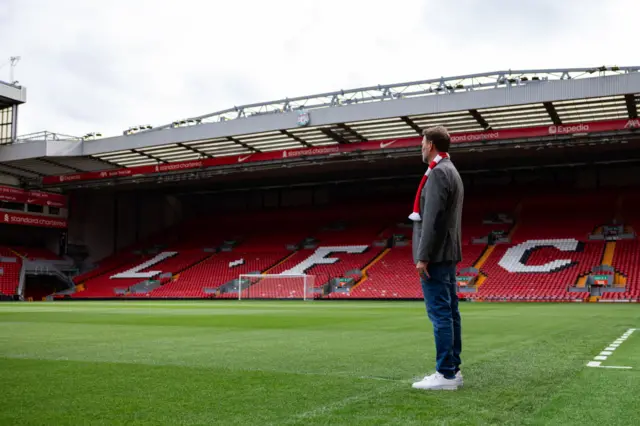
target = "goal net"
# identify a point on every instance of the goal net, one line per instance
(265, 286)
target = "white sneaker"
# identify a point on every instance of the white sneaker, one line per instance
(436, 381)
(459, 378)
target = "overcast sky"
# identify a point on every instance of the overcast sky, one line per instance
(92, 65)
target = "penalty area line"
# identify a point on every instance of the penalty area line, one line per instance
(619, 367)
(608, 351)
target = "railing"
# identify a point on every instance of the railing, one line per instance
(46, 136)
(21, 282)
(47, 268)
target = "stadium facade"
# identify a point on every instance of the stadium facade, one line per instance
(549, 157)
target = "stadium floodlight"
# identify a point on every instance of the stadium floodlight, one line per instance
(135, 129)
(276, 286)
(187, 122)
(91, 136)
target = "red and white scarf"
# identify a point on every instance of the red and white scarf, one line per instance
(415, 216)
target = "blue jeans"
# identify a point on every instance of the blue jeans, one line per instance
(441, 299)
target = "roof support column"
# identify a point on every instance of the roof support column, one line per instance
(631, 105)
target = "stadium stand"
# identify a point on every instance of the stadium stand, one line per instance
(215, 271)
(626, 262)
(551, 220)
(394, 276)
(105, 285)
(515, 248)
(261, 244)
(9, 277)
(9, 271)
(519, 242)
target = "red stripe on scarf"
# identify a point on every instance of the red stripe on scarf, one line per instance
(415, 216)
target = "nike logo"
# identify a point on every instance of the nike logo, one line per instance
(241, 159)
(383, 145)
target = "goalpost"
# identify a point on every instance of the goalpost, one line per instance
(268, 286)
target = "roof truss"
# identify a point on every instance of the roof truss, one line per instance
(431, 87)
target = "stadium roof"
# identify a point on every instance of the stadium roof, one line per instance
(11, 94)
(470, 103)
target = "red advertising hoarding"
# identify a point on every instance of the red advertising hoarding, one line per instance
(11, 218)
(468, 137)
(19, 195)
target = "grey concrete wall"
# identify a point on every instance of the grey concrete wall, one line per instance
(126, 225)
(93, 223)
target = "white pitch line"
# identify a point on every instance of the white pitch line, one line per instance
(612, 366)
(608, 351)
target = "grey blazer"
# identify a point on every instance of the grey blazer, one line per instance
(437, 237)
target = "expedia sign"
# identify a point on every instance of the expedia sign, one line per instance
(562, 130)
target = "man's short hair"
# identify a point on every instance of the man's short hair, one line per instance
(439, 136)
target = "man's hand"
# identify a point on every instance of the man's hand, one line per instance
(421, 267)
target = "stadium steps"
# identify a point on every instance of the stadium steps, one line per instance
(280, 262)
(606, 260)
(176, 275)
(17, 254)
(483, 258)
(619, 279)
(582, 281)
(371, 264)
(609, 251)
(481, 279)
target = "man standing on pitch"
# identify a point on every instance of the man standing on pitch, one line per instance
(437, 213)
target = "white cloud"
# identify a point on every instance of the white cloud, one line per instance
(122, 63)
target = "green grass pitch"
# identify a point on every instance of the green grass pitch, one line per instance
(310, 363)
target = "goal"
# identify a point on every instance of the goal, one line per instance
(266, 286)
